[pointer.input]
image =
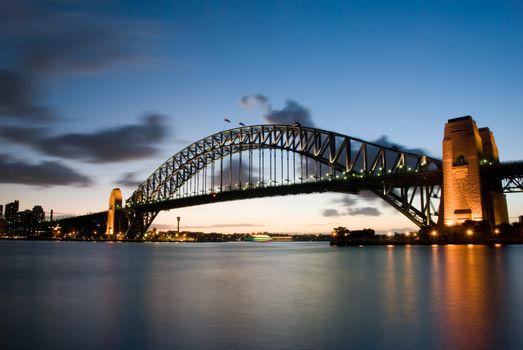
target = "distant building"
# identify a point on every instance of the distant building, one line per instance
(38, 214)
(11, 212)
(1, 211)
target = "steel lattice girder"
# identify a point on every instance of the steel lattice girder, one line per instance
(512, 184)
(339, 152)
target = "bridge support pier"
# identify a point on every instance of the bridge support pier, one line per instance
(138, 223)
(467, 194)
(115, 216)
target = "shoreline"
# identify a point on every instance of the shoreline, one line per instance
(515, 241)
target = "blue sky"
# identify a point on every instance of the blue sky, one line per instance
(361, 68)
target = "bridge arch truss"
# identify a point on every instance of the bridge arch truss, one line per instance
(265, 160)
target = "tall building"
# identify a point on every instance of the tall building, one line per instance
(11, 212)
(38, 214)
(467, 195)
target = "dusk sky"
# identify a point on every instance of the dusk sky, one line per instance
(96, 95)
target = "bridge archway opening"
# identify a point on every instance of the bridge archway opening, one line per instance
(301, 213)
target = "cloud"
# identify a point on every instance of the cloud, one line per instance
(366, 211)
(235, 178)
(124, 143)
(128, 180)
(347, 203)
(227, 225)
(44, 174)
(384, 140)
(17, 98)
(253, 102)
(367, 196)
(40, 42)
(185, 227)
(330, 213)
(292, 113)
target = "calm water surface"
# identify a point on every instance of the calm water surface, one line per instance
(76, 295)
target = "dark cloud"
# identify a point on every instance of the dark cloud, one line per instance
(330, 213)
(347, 203)
(235, 166)
(367, 211)
(44, 174)
(290, 114)
(367, 196)
(383, 140)
(252, 102)
(17, 98)
(128, 142)
(128, 180)
(39, 41)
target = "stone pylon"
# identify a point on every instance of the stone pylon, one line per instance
(467, 195)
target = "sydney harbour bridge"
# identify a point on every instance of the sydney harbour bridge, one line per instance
(274, 160)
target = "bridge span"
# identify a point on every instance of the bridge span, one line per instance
(274, 160)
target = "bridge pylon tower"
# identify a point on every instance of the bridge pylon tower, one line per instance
(115, 217)
(467, 193)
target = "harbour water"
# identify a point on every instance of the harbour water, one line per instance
(84, 295)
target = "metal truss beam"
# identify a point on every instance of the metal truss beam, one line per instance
(287, 155)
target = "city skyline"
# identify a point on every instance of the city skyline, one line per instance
(97, 96)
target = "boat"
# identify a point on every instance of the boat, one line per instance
(258, 238)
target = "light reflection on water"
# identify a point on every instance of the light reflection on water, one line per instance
(65, 295)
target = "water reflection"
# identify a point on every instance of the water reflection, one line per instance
(251, 296)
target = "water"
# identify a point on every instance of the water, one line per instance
(80, 295)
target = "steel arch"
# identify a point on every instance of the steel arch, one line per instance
(401, 176)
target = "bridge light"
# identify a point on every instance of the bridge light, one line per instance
(470, 232)
(434, 233)
(496, 231)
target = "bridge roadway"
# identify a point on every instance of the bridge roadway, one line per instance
(351, 185)
(511, 173)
